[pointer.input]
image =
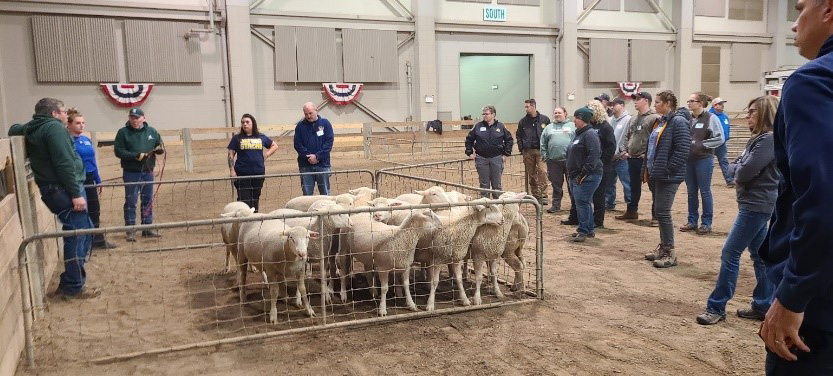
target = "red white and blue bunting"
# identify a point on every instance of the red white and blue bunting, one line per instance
(341, 93)
(127, 95)
(629, 89)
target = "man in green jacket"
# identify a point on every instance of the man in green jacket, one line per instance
(136, 145)
(59, 173)
(555, 139)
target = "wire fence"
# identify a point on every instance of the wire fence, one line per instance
(462, 171)
(174, 293)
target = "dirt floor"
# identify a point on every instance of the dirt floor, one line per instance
(605, 310)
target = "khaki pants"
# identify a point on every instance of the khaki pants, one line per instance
(536, 173)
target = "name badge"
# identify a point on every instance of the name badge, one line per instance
(698, 125)
(497, 130)
(483, 129)
(575, 142)
(319, 133)
(639, 127)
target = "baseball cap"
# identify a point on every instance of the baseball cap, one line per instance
(603, 97)
(584, 113)
(617, 100)
(644, 95)
(718, 100)
(136, 111)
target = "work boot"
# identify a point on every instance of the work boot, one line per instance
(628, 215)
(86, 293)
(703, 230)
(579, 238)
(151, 234)
(131, 236)
(688, 227)
(667, 259)
(569, 222)
(710, 318)
(554, 208)
(100, 242)
(653, 255)
(751, 313)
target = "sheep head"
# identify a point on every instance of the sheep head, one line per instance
(239, 213)
(346, 200)
(298, 241)
(512, 195)
(433, 195)
(337, 220)
(488, 213)
(362, 192)
(382, 202)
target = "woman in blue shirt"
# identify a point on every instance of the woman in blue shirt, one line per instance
(246, 158)
(86, 150)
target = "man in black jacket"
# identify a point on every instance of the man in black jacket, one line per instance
(492, 143)
(529, 132)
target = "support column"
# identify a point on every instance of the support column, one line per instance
(425, 57)
(4, 118)
(568, 55)
(239, 46)
(684, 54)
(777, 26)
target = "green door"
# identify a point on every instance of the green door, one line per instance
(499, 80)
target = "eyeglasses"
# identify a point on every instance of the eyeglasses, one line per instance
(751, 111)
(692, 101)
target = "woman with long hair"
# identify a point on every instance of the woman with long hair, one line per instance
(247, 160)
(86, 150)
(665, 162)
(756, 184)
(607, 139)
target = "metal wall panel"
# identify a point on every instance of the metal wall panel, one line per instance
(286, 65)
(473, 1)
(74, 49)
(639, 6)
(647, 60)
(317, 56)
(369, 55)
(608, 60)
(520, 2)
(604, 5)
(158, 51)
(746, 62)
(710, 8)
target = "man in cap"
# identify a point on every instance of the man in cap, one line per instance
(605, 99)
(721, 151)
(137, 144)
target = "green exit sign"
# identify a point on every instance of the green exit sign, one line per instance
(497, 14)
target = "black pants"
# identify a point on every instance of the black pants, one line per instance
(635, 172)
(93, 206)
(819, 361)
(248, 191)
(599, 196)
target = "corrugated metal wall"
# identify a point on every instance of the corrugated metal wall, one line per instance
(157, 51)
(317, 55)
(710, 8)
(369, 55)
(286, 65)
(647, 60)
(640, 6)
(74, 49)
(520, 2)
(603, 5)
(606, 57)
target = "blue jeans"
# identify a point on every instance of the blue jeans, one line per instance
(621, 169)
(76, 248)
(583, 195)
(698, 177)
(721, 154)
(308, 182)
(131, 195)
(748, 232)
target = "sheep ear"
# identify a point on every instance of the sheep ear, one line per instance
(396, 204)
(419, 192)
(520, 195)
(251, 210)
(353, 191)
(313, 234)
(227, 215)
(373, 191)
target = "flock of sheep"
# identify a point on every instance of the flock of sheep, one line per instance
(388, 240)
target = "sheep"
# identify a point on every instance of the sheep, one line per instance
(449, 244)
(229, 231)
(395, 217)
(433, 195)
(355, 197)
(454, 196)
(387, 248)
(332, 224)
(513, 252)
(281, 253)
(489, 243)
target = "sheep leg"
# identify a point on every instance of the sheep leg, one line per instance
(398, 288)
(343, 276)
(242, 269)
(435, 280)
(518, 266)
(229, 251)
(383, 279)
(273, 311)
(302, 289)
(466, 269)
(458, 276)
(371, 283)
(493, 276)
(406, 281)
(478, 280)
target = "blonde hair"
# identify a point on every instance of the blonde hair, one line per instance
(599, 111)
(767, 107)
(73, 113)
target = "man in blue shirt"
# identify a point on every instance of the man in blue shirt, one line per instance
(721, 151)
(798, 328)
(313, 142)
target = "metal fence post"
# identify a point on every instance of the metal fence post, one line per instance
(367, 131)
(186, 145)
(424, 132)
(28, 222)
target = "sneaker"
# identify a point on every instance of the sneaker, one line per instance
(131, 236)
(151, 234)
(654, 255)
(610, 208)
(575, 234)
(654, 222)
(86, 293)
(569, 222)
(667, 258)
(710, 318)
(628, 215)
(703, 230)
(579, 238)
(730, 184)
(752, 314)
(688, 227)
(553, 210)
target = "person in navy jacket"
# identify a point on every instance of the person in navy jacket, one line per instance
(86, 150)
(491, 143)
(313, 142)
(798, 327)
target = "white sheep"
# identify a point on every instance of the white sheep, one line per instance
(432, 195)
(489, 244)
(281, 253)
(513, 252)
(354, 197)
(386, 248)
(449, 244)
(395, 217)
(454, 196)
(229, 231)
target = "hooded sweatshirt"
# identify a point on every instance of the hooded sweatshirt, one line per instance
(131, 142)
(620, 126)
(556, 139)
(635, 141)
(51, 153)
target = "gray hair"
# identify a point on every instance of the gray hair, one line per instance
(46, 106)
(490, 108)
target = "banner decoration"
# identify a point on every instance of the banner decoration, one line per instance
(127, 95)
(342, 93)
(629, 89)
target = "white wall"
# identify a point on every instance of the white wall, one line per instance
(737, 94)
(621, 20)
(515, 14)
(365, 8)
(715, 25)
